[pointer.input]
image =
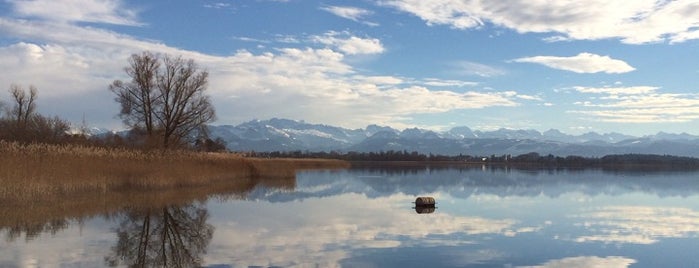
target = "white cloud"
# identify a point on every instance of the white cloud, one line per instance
(640, 104)
(529, 97)
(73, 65)
(351, 13)
(456, 14)
(348, 44)
(474, 68)
(47, 66)
(434, 82)
(99, 11)
(380, 80)
(287, 39)
(217, 5)
(617, 90)
(582, 63)
(587, 262)
(633, 22)
(556, 38)
(250, 39)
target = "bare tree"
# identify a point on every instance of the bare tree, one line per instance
(183, 107)
(24, 105)
(138, 97)
(23, 123)
(165, 97)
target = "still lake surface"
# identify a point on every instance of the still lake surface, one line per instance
(485, 217)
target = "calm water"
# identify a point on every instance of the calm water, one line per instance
(365, 218)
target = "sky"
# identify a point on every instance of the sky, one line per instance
(576, 66)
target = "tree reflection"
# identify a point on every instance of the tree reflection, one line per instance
(173, 236)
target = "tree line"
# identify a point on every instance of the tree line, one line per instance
(529, 159)
(163, 104)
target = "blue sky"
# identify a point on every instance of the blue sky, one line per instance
(577, 66)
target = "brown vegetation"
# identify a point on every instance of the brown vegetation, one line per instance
(44, 187)
(20, 121)
(33, 171)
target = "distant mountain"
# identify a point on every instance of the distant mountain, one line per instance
(286, 135)
(289, 135)
(458, 133)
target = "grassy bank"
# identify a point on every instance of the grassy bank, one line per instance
(39, 171)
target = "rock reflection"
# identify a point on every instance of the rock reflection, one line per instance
(173, 236)
(424, 210)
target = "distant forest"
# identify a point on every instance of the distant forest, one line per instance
(533, 159)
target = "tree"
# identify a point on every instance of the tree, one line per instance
(24, 105)
(165, 98)
(22, 123)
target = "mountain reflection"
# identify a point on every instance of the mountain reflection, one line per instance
(173, 236)
(465, 182)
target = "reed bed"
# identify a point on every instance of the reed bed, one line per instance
(41, 171)
(30, 219)
(44, 187)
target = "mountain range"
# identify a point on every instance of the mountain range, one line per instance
(289, 135)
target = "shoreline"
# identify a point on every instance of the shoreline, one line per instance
(38, 171)
(527, 165)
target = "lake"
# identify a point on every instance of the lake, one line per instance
(365, 217)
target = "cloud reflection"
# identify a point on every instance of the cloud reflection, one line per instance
(323, 232)
(638, 224)
(587, 262)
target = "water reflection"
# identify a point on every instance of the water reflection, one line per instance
(366, 217)
(466, 182)
(424, 209)
(172, 236)
(587, 261)
(32, 230)
(492, 217)
(638, 224)
(142, 228)
(325, 231)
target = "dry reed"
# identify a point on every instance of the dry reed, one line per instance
(36, 171)
(43, 186)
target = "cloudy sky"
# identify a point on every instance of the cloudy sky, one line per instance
(598, 65)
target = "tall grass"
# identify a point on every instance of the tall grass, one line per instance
(37, 171)
(43, 187)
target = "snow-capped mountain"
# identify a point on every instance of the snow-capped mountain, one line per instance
(286, 135)
(289, 135)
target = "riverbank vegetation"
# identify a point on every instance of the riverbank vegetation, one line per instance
(34, 171)
(54, 212)
(47, 187)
